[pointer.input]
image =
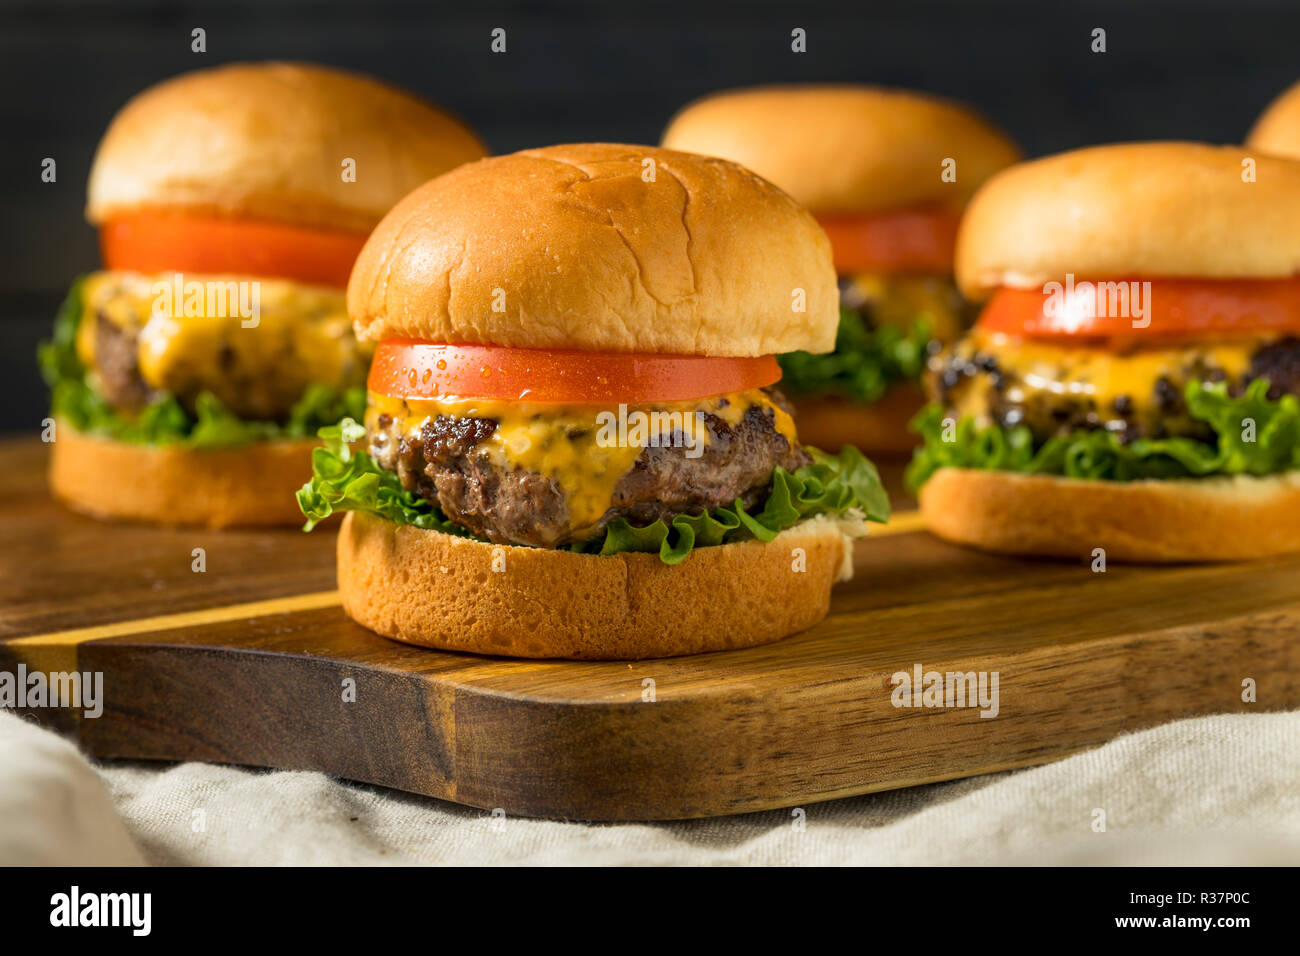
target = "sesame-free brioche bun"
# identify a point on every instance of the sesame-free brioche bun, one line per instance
(457, 594)
(1198, 519)
(1142, 210)
(847, 149)
(830, 422)
(267, 141)
(1277, 130)
(252, 485)
(600, 247)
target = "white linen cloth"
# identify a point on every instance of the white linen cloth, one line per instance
(1208, 790)
(54, 809)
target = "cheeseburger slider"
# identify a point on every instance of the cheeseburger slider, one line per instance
(1132, 383)
(1277, 130)
(189, 377)
(886, 173)
(573, 444)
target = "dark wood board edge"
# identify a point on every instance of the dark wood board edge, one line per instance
(730, 751)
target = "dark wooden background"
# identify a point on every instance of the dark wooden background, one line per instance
(617, 71)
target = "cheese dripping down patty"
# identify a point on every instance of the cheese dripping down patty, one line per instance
(585, 449)
(257, 344)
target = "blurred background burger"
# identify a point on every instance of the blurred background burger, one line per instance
(1133, 381)
(1277, 130)
(886, 173)
(189, 375)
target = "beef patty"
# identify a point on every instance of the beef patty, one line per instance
(250, 391)
(118, 365)
(444, 461)
(258, 372)
(1051, 398)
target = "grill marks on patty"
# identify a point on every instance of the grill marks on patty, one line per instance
(444, 461)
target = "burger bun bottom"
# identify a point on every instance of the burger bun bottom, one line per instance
(247, 486)
(439, 590)
(1165, 521)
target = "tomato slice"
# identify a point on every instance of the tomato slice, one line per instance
(905, 240)
(153, 242)
(1132, 308)
(409, 368)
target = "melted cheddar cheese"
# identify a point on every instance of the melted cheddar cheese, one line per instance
(900, 300)
(1103, 375)
(991, 376)
(206, 339)
(583, 448)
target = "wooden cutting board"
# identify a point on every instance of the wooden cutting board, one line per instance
(248, 662)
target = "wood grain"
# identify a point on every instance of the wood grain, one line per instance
(248, 665)
(59, 570)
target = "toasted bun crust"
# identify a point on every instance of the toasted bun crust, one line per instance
(572, 247)
(436, 590)
(220, 488)
(1202, 519)
(830, 422)
(267, 141)
(1277, 130)
(847, 149)
(1132, 210)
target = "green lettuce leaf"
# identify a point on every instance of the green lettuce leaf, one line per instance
(1253, 435)
(830, 485)
(347, 480)
(344, 480)
(58, 356)
(866, 360)
(74, 398)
